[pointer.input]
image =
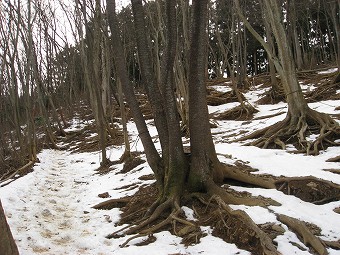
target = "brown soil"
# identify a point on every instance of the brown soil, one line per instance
(131, 163)
(215, 97)
(311, 190)
(240, 112)
(226, 226)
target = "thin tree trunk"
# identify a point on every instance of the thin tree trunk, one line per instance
(127, 152)
(149, 78)
(294, 34)
(152, 155)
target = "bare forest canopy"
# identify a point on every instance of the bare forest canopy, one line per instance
(156, 60)
(46, 50)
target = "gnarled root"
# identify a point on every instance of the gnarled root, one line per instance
(272, 97)
(112, 203)
(295, 129)
(244, 111)
(248, 231)
(302, 230)
(145, 226)
(234, 198)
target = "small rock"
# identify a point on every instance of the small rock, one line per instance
(52, 201)
(104, 195)
(46, 213)
(108, 218)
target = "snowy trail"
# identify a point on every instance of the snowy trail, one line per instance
(49, 211)
(49, 214)
(56, 193)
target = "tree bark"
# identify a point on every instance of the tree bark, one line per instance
(152, 155)
(150, 80)
(7, 243)
(204, 162)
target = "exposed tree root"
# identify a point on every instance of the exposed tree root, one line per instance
(236, 198)
(242, 173)
(236, 226)
(310, 189)
(272, 97)
(335, 159)
(212, 209)
(215, 98)
(143, 227)
(324, 92)
(302, 230)
(112, 203)
(244, 111)
(131, 163)
(126, 156)
(268, 116)
(168, 215)
(295, 129)
(333, 244)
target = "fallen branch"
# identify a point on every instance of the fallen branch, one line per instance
(18, 171)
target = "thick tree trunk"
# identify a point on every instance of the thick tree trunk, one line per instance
(175, 162)
(294, 96)
(7, 243)
(203, 155)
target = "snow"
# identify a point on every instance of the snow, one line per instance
(331, 70)
(50, 209)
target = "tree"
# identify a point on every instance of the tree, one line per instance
(7, 243)
(178, 175)
(300, 119)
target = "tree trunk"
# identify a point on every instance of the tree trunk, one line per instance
(152, 155)
(300, 118)
(149, 78)
(127, 151)
(204, 162)
(7, 243)
(294, 34)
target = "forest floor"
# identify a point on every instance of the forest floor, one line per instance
(50, 210)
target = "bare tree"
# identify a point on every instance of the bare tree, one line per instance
(178, 175)
(300, 119)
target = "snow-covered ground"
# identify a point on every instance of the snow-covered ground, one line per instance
(49, 210)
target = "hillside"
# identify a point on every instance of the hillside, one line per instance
(50, 210)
